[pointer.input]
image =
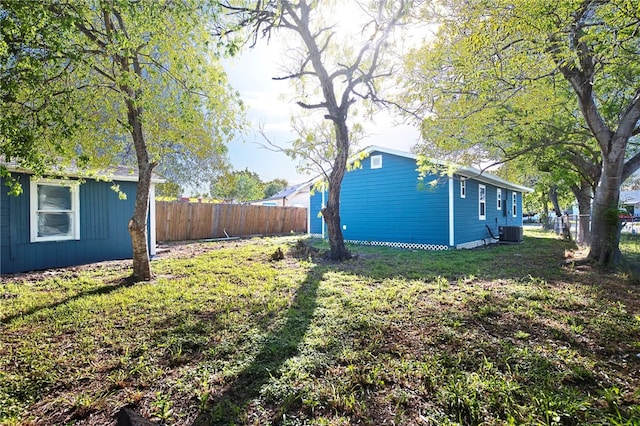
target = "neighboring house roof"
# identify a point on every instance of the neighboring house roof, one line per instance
(466, 171)
(289, 191)
(286, 193)
(119, 173)
(630, 197)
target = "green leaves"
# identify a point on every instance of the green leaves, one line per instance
(68, 70)
(540, 79)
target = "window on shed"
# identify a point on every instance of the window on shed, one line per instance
(376, 161)
(55, 210)
(514, 204)
(463, 188)
(482, 202)
(499, 198)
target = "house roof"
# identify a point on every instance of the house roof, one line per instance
(465, 171)
(117, 173)
(630, 197)
(287, 192)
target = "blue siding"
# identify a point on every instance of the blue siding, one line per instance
(467, 224)
(390, 204)
(103, 229)
(315, 205)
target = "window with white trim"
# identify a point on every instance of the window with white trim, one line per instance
(499, 198)
(514, 204)
(55, 210)
(376, 161)
(463, 188)
(482, 202)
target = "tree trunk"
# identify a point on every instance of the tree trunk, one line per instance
(331, 212)
(553, 196)
(129, 65)
(138, 228)
(583, 195)
(138, 222)
(562, 226)
(605, 227)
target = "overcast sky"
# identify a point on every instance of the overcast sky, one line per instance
(268, 105)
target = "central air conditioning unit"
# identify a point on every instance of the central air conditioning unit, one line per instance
(511, 234)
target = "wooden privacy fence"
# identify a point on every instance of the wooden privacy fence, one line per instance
(179, 221)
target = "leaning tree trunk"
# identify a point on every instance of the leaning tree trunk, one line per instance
(331, 212)
(605, 227)
(553, 196)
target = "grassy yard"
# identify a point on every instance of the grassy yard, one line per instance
(501, 335)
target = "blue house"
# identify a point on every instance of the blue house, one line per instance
(384, 202)
(58, 222)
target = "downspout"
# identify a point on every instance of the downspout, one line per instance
(491, 233)
(322, 207)
(451, 215)
(507, 207)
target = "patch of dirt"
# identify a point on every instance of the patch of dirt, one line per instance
(302, 250)
(168, 250)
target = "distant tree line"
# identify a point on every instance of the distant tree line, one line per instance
(244, 185)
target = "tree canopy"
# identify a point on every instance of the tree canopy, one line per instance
(146, 85)
(244, 185)
(505, 77)
(39, 108)
(331, 73)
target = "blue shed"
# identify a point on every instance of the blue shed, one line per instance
(58, 222)
(384, 202)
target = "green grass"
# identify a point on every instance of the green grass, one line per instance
(494, 336)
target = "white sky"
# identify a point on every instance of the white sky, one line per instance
(269, 105)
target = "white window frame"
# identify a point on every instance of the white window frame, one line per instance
(376, 161)
(514, 204)
(463, 188)
(74, 187)
(499, 198)
(482, 202)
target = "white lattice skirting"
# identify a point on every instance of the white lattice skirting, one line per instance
(411, 246)
(417, 246)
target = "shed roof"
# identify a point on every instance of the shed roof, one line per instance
(117, 173)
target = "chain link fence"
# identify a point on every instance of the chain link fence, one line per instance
(574, 226)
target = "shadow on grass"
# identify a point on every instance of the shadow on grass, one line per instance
(535, 257)
(125, 282)
(281, 345)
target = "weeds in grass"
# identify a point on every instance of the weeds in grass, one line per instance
(499, 335)
(161, 407)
